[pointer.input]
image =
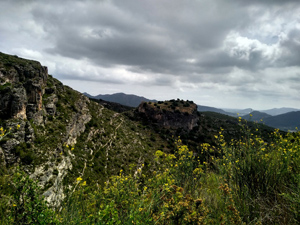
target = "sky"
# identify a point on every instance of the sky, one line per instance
(219, 53)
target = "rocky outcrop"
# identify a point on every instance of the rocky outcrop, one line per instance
(2, 158)
(170, 114)
(22, 87)
(77, 123)
(52, 174)
(29, 102)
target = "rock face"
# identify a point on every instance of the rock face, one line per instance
(22, 87)
(170, 114)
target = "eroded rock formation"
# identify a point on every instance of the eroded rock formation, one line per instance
(170, 114)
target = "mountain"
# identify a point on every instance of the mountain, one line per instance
(271, 112)
(134, 101)
(121, 98)
(56, 134)
(285, 122)
(256, 116)
(278, 111)
(88, 95)
(239, 112)
(113, 106)
(212, 109)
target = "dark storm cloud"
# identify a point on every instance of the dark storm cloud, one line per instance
(109, 35)
(291, 49)
(158, 36)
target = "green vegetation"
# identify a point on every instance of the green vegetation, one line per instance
(25, 205)
(9, 61)
(173, 105)
(4, 86)
(243, 181)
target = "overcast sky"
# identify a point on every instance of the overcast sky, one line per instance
(220, 53)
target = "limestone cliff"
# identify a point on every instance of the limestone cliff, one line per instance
(23, 85)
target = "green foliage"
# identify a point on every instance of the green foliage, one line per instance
(26, 205)
(12, 60)
(165, 197)
(245, 181)
(5, 85)
(25, 153)
(264, 176)
(179, 106)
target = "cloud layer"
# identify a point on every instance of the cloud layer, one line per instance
(220, 53)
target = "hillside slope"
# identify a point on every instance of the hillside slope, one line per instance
(202, 108)
(285, 122)
(278, 111)
(256, 116)
(58, 134)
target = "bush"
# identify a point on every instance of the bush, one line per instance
(264, 176)
(27, 206)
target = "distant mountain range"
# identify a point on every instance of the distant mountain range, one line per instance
(134, 101)
(278, 111)
(286, 121)
(202, 108)
(281, 118)
(121, 98)
(256, 116)
(271, 112)
(239, 112)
